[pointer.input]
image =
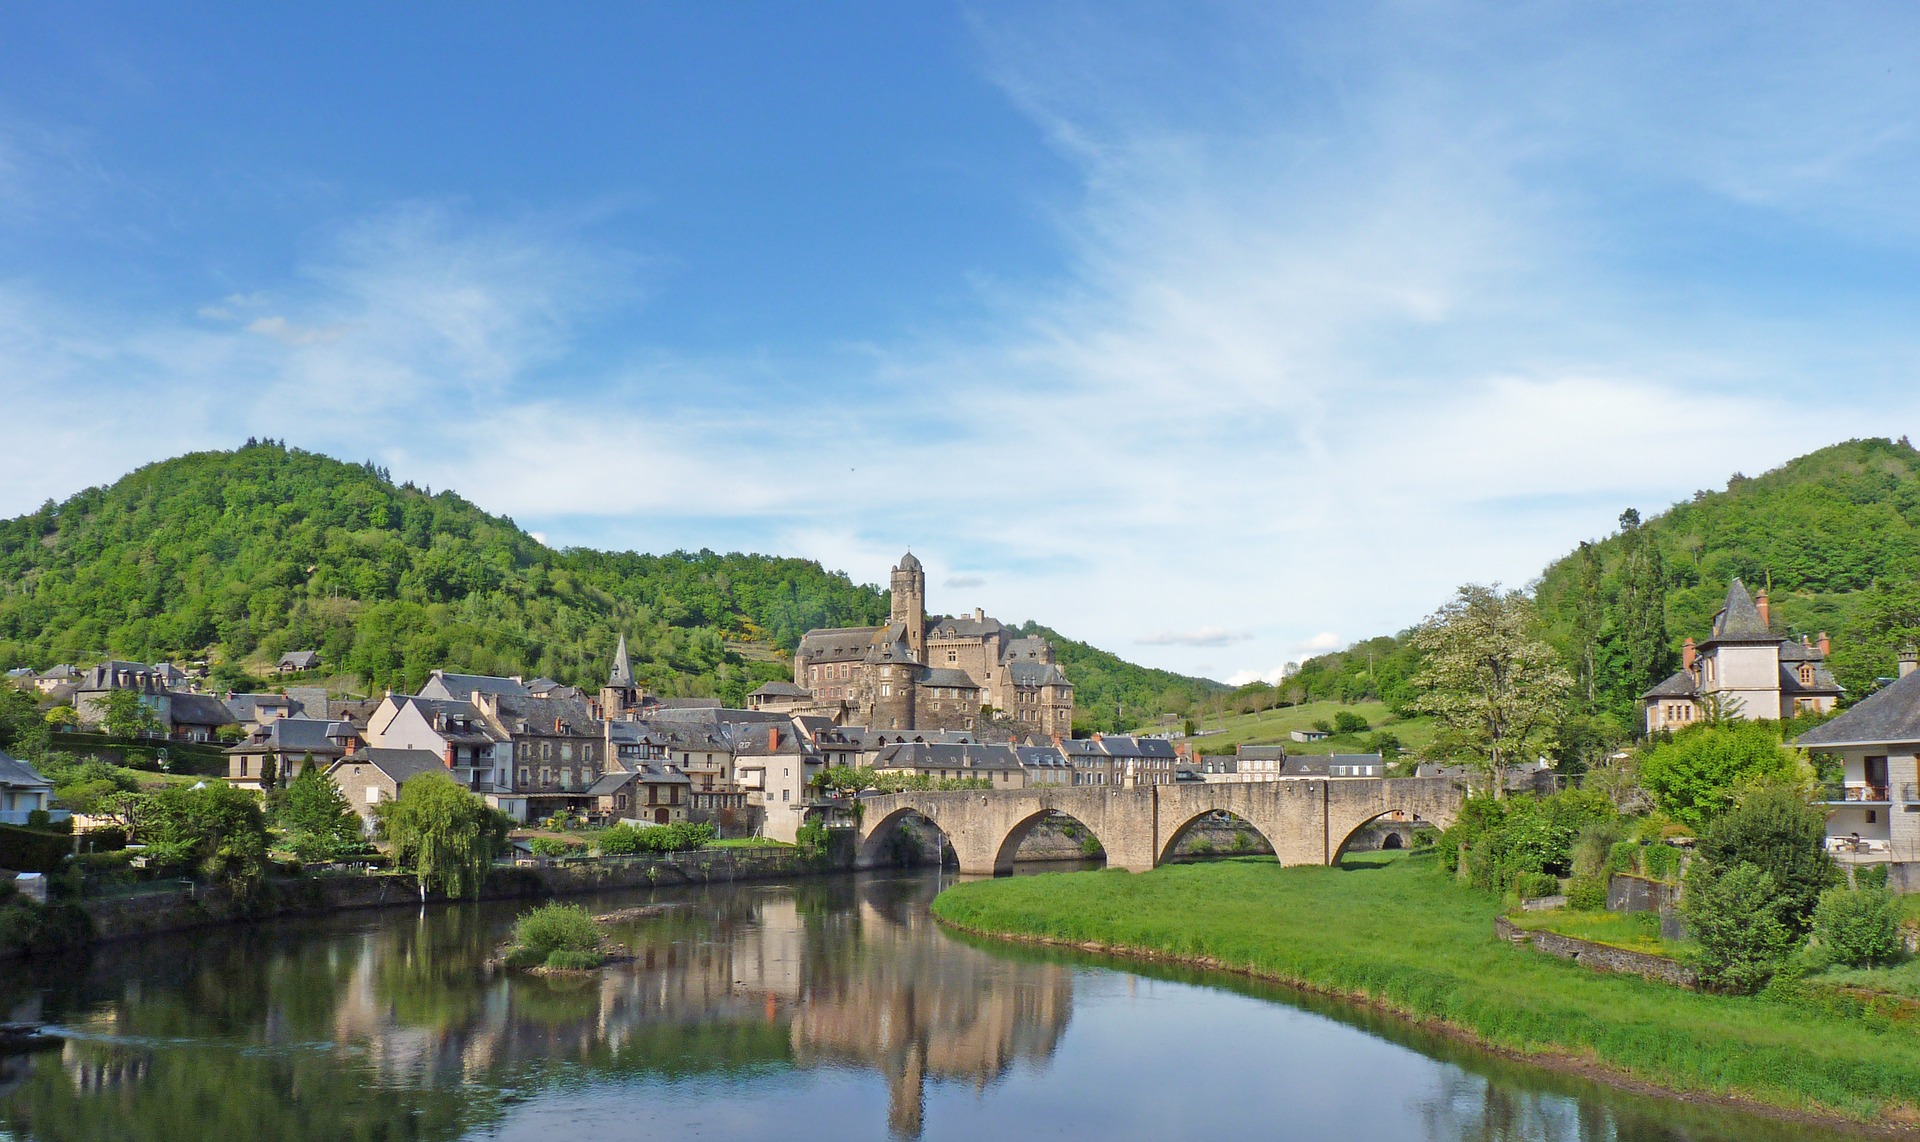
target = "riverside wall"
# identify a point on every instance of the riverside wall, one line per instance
(129, 917)
(1600, 957)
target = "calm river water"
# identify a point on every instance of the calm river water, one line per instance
(822, 1009)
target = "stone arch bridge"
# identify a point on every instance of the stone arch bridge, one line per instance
(1307, 821)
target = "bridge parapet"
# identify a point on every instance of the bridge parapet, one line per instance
(1307, 821)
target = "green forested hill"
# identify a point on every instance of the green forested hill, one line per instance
(1836, 534)
(1112, 695)
(239, 556)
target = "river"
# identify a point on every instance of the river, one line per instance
(827, 1008)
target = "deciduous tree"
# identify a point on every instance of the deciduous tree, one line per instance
(1491, 682)
(445, 834)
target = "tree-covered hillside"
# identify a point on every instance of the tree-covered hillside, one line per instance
(1836, 534)
(239, 556)
(1110, 694)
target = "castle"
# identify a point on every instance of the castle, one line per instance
(919, 673)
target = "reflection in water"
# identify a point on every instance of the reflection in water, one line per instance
(759, 1011)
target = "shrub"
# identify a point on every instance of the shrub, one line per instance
(1090, 847)
(1858, 928)
(553, 847)
(621, 840)
(30, 929)
(1624, 856)
(811, 836)
(565, 960)
(1774, 829)
(1348, 722)
(1694, 776)
(1871, 876)
(1662, 862)
(1587, 894)
(1201, 846)
(556, 927)
(1737, 919)
(1531, 884)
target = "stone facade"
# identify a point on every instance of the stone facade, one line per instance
(1601, 957)
(943, 672)
(1746, 667)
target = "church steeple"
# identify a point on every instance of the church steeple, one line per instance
(622, 668)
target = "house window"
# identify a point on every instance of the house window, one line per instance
(1873, 816)
(786, 795)
(886, 689)
(620, 801)
(526, 776)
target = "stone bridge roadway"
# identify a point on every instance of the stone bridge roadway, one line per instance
(1306, 821)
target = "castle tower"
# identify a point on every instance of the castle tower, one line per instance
(621, 693)
(910, 604)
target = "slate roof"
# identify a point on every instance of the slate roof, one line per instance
(908, 563)
(540, 714)
(1041, 757)
(1681, 685)
(479, 730)
(440, 684)
(291, 735)
(778, 689)
(199, 710)
(890, 645)
(931, 755)
(947, 677)
(1823, 680)
(1120, 745)
(401, 765)
(17, 774)
(963, 626)
(1739, 619)
(1032, 648)
(246, 707)
(1887, 716)
(310, 701)
(1035, 674)
(22, 672)
(1261, 752)
(300, 659)
(835, 644)
(61, 672)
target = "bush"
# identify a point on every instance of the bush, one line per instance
(1587, 894)
(30, 929)
(1624, 856)
(565, 960)
(1871, 876)
(1775, 830)
(556, 927)
(554, 847)
(1662, 862)
(1090, 847)
(1858, 928)
(1348, 722)
(811, 836)
(32, 850)
(621, 840)
(1737, 918)
(1694, 777)
(1531, 884)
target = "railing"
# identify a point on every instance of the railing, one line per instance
(1834, 794)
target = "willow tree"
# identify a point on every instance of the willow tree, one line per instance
(1493, 684)
(446, 835)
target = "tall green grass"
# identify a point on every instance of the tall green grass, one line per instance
(1395, 932)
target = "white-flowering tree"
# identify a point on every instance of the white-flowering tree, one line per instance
(1493, 684)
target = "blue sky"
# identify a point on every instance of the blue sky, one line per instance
(1216, 335)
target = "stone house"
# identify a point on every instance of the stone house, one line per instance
(255, 712)
(292, 743)
(653, 793)
(1744, 664)
(23, 791)
(557, 751)
(56, 677)
(1873, 812)
(775, 766)
(295, 661)
(1000, 765)
(183, 715)
(1044, 765)
(469, 745)
(370, 776)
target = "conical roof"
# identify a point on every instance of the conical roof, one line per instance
(1739, 618)
(909, 563)
(622, 668)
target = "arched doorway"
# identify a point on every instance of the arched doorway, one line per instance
(660, 816)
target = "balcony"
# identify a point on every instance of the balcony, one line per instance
(1857, 794)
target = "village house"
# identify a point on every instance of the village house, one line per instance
(1745, 667)
(296, 661)
(653, 794)
(998, 765)
(24, 792)
(182, 715)
(469, 745)
(1873, 811)
(1044, 765)
(292, 744)
(367, 777)
(558, 751)
(775, 766)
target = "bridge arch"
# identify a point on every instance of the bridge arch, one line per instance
(1199, 816)
(1009, 847)
(876, 837)
(1411, 817)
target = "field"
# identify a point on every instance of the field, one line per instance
(1398, 934)
(1270, 727)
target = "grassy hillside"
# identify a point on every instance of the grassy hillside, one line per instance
(1219, 735)
(1111, 694)
(239, 556)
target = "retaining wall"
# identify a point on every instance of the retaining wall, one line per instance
(1601, 957)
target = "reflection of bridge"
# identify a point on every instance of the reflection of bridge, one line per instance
(1306, 821)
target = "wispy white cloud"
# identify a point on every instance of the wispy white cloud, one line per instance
(1349, 315)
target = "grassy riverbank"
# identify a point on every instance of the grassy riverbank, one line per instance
(1393, 932)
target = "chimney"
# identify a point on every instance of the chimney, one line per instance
(1826, 645)
(449, 757)
(1687, 655)
(773, 738)
(1909, 661)
(979, 614)
(1765, 608)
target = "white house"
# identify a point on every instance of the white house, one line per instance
(1873, 814)
(23, 791)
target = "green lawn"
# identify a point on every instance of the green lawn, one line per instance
(1636, 932)
(1271, 727)
(1397, 932)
